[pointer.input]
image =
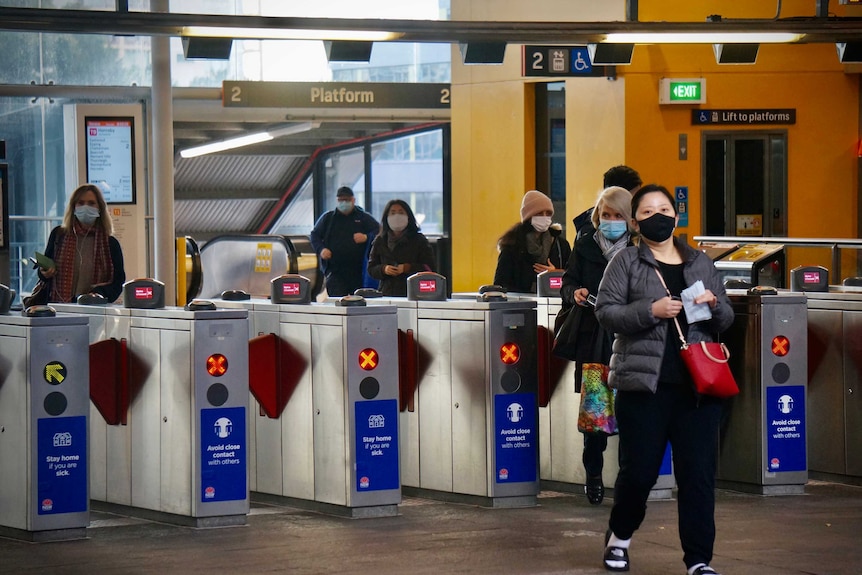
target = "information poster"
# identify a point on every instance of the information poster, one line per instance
(517, 437)
(223, 455)
(376, 445)
(785, 417)
(111, 157)
(62, 465)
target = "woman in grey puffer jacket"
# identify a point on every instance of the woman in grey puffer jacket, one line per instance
(656, 402)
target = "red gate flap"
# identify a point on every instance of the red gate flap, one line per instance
(109, 380)
(274, 371)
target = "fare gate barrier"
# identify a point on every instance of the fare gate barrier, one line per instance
(763, 444)
(561, 445)
(835, 372)
(334, 374)
(110, 397)
(468, 410)
(43, 416)
(189, 459)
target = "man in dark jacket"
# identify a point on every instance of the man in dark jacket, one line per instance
(341, 238)
(622, 176)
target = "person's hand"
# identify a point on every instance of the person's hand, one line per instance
(539, 268)
(325, 254)
(666, 307)
(581, 296)
(392, 270)
(707, 297)
(48, 273)
(359, 238)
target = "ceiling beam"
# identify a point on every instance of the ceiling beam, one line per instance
(444, 31)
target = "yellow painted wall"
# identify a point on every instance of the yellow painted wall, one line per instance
(620, 121)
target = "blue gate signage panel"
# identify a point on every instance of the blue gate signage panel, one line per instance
(62, 466)
(223, 455)
(517, 437)
(376, 425)
(785, 429)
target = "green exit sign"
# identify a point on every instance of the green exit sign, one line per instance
(682, 91)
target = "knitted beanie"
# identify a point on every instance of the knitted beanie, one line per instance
(535, 202)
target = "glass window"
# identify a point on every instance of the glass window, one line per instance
(343, 168)
(298, 218)
(410, 169)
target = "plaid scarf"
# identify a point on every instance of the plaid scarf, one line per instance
(65, 250)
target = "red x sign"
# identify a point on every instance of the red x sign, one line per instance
(368, 359)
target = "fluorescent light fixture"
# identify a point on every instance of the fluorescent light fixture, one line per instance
(703, 38)
(289, 33)
(247, 140)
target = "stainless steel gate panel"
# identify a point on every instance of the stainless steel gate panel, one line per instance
(174, 468)
(44, 363)
(110, 445)
(835, 415)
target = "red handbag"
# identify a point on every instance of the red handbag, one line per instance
(707, 364)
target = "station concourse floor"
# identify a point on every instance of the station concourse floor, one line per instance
(819, 532)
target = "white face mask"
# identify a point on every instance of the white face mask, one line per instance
(397, 222)
(541, 223)
(86, 214)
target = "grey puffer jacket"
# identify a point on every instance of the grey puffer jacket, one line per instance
(624, 307)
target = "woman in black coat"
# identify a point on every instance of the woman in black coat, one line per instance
(530, 247)
(399, 250)
(593, 251)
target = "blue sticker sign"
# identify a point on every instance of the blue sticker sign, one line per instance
(224, 465)
(62, 465)
(681, 195)
(785, 429)
(376, 424)
(516, 437)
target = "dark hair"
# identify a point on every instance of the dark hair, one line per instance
(344, 191)
(412, 226)
(649, 188)
(622, 176)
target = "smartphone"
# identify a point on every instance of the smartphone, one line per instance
(591, 300)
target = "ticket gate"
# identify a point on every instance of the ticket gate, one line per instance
(189, 461)
(110, 395)
(329, 441)
(468, 410)
(44, 370)
(561, 445)
(763, 445)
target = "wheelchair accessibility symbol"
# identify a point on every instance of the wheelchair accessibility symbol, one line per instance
(580, 60)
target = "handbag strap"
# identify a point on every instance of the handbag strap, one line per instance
(675, 321)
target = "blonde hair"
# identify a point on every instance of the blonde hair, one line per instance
(104, 219)
(617, 199)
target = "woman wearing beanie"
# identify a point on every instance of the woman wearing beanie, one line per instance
(530, 247)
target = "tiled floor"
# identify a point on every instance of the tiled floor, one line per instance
(816, 533)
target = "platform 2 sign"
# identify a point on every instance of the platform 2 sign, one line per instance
(376, 424)
(62, 465)
(516, 437)
(785, 429)
(335, 95)
(562, 61)
(223, 455)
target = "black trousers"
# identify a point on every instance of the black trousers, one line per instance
(594, 453)
(647, 422)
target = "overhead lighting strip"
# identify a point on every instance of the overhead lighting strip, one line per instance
(288, 33)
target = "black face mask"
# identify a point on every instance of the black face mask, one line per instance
(658, 227)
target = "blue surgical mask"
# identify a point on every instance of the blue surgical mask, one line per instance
(87, 214)
(613, 229)
(345, 207)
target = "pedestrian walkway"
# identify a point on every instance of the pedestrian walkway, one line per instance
(816, 533)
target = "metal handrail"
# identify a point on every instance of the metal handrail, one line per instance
(835, 244)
